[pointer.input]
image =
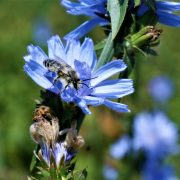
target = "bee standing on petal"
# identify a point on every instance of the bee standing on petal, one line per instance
(70, 71)
(65, 73)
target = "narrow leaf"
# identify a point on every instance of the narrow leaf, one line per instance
(137, 3)
(106, 53)
(117, 11)
(34, 160)
(100, 45)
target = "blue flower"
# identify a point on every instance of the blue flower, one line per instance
(120, 148)
(93, 88)
(46, 153)
(161, 88)
(95, 9)
(155, 134)
(165, 12)
(58, 154)
(154, 170)
(110, 173)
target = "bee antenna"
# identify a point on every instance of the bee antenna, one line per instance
(89, 79)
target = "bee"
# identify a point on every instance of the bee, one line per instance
(64, 72)
(45, 127)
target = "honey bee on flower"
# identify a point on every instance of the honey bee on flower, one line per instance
(70, 71)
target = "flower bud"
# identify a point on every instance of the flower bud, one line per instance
(146, 37)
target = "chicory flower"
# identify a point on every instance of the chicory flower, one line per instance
(88, 86)
(155, 134)
(164, 11)
(96, 9)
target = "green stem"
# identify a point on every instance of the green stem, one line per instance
(107, 52)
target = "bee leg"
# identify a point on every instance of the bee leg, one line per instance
(67, 84)
(55, 80)
(84, 84)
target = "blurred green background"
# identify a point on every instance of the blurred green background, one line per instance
(18, 91)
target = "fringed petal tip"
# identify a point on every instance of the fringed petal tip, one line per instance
(119, 107)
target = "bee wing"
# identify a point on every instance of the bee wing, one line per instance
(64, 65)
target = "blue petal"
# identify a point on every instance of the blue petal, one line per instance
(142, 9)
(77, 8)
(87, 53)
(70, 95)
(82, 104)
(168, 6)
(37, 73)
(59, 152)
(107, 71)
(114, 88)
(45, 153)
(93, 2)
(83, 69)
(156, 170)
(85, 28)
(119, 107)
(169, 19)
(110, 173)
(120, 148)
(161, 89)
(68, 4)
(55, 48)
(73, 49)
(69, 156)
(36, 53)
(27, 58)
(94, 101)
(84, 8)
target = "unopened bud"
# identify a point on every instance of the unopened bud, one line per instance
(146, 37)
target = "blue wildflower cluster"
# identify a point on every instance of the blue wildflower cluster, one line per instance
(154, 137)
(74, 78)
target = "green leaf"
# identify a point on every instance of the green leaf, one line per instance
(34, 160)
(137, 3)
(100, 45)
(130, 62)
(43, 172)
(106, 53)
(117, 11)
(78, 175)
